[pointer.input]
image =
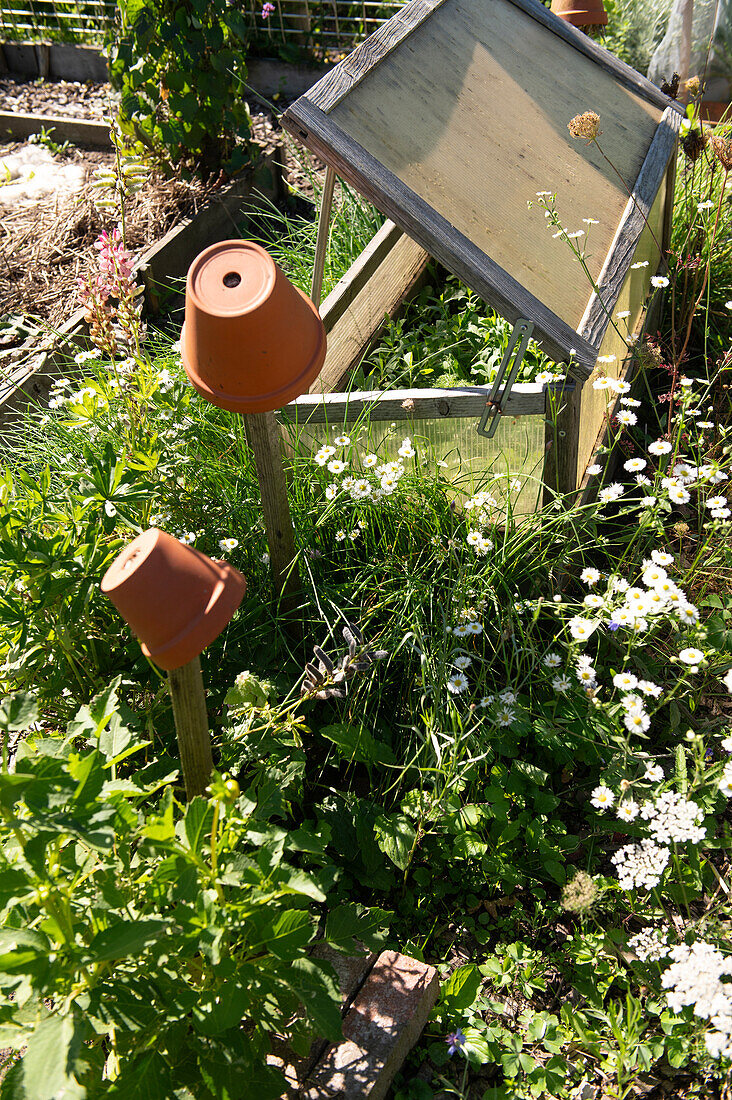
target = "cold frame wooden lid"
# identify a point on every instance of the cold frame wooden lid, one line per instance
(453, 115)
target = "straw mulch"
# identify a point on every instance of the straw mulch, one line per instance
(45, 247)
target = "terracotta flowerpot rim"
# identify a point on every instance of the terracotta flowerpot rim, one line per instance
(266, 260)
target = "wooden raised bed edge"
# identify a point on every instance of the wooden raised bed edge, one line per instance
(60, 61)
(164, 262)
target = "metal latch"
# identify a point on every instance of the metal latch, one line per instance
(521, 334)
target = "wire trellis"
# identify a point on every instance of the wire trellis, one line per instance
(319, 27)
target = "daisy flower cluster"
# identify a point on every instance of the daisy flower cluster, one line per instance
(479, 513)
(458, 682)
(654, 599)
(378, 480)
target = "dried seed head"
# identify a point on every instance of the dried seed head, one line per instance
(579, 895)
(693, 143)
(649, 355)
(681, 529)
(722, 149)
(586, 125)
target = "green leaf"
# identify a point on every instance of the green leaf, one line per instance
(318, 992)
(48, 1063)
(396, 837)
(125, 938)
(289, 933)
(461, 988)
(198, 822)
(355, 743)
(148, 1078)
(18, 712)
(348, 923)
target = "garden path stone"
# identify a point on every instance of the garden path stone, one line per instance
(380, 1028)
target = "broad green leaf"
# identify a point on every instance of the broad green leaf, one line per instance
(461, 988)
(395, 836)
(300, 883)
(21, 948)
(125, 938)
(289, 933)
(198, 822)
(355, 743)
(348, 923)
(17, 712)
(48, 1063)
(91, 720)
(318, 992)
(148, 1078)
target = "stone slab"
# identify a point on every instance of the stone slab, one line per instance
(382, 1025)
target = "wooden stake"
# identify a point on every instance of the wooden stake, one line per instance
(263, 436)
(191, 726)
(321, 243)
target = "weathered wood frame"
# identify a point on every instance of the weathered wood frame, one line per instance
(309, 121)
(582, 421)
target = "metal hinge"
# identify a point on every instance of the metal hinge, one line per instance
(521, 334)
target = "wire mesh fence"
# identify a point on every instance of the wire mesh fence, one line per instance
(80, 21)
(317, 27)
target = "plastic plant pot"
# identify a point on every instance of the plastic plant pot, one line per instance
(251, 341)
(581, 13)
(174, 598)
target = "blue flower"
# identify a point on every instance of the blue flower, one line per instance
(455, 1040)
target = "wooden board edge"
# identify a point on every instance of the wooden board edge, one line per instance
(351, 71)
(601, 303)
(437, 236)
(525, 399)
(624, 74)
(399, 275)
(76, 130)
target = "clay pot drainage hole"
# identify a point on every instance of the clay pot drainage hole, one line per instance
(232, 279)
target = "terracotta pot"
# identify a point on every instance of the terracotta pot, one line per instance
(175, 599)
(251, 340)
(581, 13)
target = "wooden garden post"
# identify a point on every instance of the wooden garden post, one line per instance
(191, 726)
(263, 436)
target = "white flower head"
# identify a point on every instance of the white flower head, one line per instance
(602, 797)
(457, 683)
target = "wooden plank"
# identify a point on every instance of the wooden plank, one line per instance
(17, 127)
(635, 219)
(361, 314)
(614, 352)
(436, 235)
(621, 72)
(525, 399)
(331, 89)
(358, 274)
(350, 72)
(263, 436)
(562, 435)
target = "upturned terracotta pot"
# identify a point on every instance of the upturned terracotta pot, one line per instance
(251, 341)
(175, 599)
(581, 13)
